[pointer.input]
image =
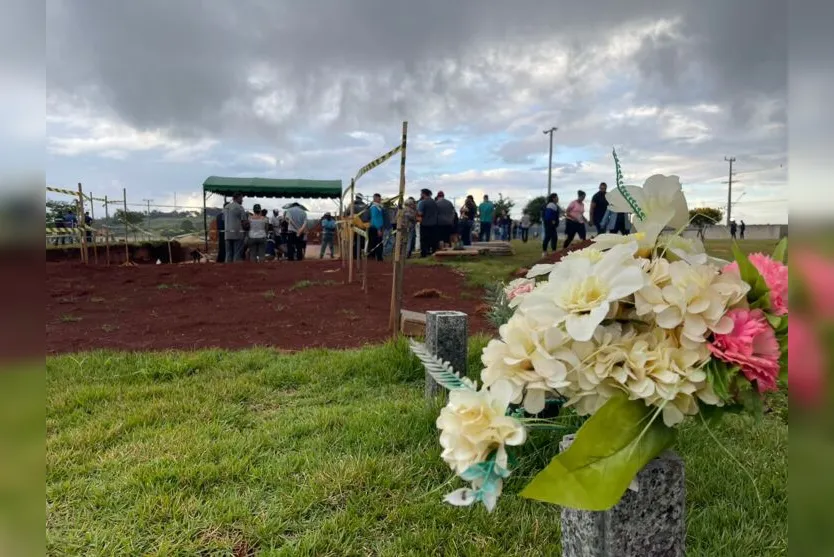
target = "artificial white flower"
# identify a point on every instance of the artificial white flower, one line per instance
(580, 293)
(662, 201)
(645, 245)
(693, 297)
(648, 364)
(473, 424)
(529, 359)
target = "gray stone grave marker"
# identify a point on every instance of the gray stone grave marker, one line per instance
(649, 522)
(447, 335)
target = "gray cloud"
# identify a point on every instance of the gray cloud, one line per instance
(187, 65)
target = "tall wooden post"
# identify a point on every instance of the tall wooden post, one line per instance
(127, 248)
(351, 234)
(107, 230)
(399, 246)
(83, 232)
(92, 235)
(205, 224)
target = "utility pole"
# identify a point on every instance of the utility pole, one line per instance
(730, 160)
(550, 160)
(148, 201)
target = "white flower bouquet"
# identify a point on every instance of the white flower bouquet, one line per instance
(636, 332)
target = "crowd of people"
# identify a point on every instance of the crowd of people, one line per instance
(257, 237)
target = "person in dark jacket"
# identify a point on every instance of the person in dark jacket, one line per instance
(550, 221)
(427, 214)
(445, 219)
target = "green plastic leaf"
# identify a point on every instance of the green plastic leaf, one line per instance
(720, 376)
(781, 251)
(441, 371)
(608, 452)
(759, 294)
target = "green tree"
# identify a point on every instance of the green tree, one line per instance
(535, 208)
(503, 205)
(705, 216)
(133, 217)
(187, 226)
(55, 210)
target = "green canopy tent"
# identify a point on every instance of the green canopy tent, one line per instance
(269, 187)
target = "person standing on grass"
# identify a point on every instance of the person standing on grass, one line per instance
(328, 233)
(524, 227)
(741, 229)
(575, 219)
(376, 229)
(257, 235)
(427, 215)
(296, 218)
(486, 210)
(410, 209)
(233, 221)
(599, 205)
(467, 219)
(733, 229)
(445, 220)
(550, 222)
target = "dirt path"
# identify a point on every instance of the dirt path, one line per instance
(284, 305)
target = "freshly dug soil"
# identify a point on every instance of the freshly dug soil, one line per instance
(285, 305)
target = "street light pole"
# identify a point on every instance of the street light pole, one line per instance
(550, 161)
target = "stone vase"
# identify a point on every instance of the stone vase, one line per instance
(648, 522)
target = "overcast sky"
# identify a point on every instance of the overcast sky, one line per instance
(157, 95)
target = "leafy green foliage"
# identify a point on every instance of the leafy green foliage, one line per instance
(720, 376)
(759, 294)
(187, 226)
(503, 206)
(55, 210)
(535, 208)
(781, 251)
(132, 217)
(705, 216)
(500, 311)
(608, 452)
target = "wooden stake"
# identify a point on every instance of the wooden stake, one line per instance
(83, 235)
(127, 248)
(93, 235)
(170, 257)
(399, 247)
(351, 234)
(107, 230)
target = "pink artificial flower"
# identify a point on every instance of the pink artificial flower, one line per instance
(817, 273)
(518, 287)
(775, 274)
(805, 363)
(752, 345)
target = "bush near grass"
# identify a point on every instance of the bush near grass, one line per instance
(329, 453)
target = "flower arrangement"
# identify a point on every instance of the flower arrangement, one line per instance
(637, 333)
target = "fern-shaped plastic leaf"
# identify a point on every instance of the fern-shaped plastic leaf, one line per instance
(441, 371)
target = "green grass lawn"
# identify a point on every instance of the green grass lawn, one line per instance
(330, 453)
(487, 270)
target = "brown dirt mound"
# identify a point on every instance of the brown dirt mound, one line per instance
(285, 305)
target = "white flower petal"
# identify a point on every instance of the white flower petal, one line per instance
(462, 497)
